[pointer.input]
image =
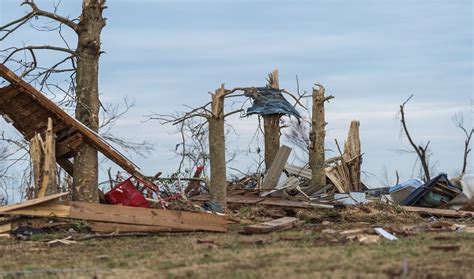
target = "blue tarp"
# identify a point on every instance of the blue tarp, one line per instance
(267, 100)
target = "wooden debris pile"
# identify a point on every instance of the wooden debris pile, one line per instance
(109, 218)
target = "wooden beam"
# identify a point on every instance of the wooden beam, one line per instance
(104, 227)
(439, 212)
(68, 145)
(7, 93)
(243, 200)
(145, 216)
(29, 203)
(181, 220)
(278, 164)
(66, 164)
(280, 224)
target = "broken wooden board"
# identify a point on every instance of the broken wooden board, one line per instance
(32, 202)
(278, 164)
(241, 200)
(105, 227)
(331, 174)
(280, 224)
(439, 212)
(181, 220)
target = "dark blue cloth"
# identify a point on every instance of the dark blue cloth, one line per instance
(267, 100)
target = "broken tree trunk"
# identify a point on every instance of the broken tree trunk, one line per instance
(271, 126)
(352, 156)
(87, 95)
(317, 137)
(217, 147)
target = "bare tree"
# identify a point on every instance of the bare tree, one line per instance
(214, 116)
(80, 64)
(458, 120)
(421, 151)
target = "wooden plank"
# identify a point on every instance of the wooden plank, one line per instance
(280, 224)
(278, 164)
(68, 145)
(439, 212)
(26, 204)
(241, 200)
(66, 164)
(7, 93)
(300, 171)
(145, 216)
(104, 227)
(332, 175)
(44, 210)
(181, 220)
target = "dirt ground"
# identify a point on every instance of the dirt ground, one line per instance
(313, 250)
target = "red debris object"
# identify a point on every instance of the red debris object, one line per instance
(126, 194)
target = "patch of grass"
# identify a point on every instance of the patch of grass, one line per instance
(303, 252)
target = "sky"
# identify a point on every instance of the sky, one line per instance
(370, 55)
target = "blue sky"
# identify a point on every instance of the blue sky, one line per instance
(371, 55)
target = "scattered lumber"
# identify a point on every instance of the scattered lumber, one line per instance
(439, 212)
(276, 168)
(271, 226)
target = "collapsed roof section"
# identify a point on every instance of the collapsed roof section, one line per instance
(267, 100)
(29, 110)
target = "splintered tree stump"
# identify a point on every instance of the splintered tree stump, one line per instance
(352, 156)
(271, 125)
(217, 148)
(317, 137)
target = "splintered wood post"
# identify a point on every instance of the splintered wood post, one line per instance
(317, 136)
(217, 148)
(352, 156)
(271, 125)
(36, 163)
(48, 183)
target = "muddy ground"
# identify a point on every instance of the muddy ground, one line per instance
(313, 250)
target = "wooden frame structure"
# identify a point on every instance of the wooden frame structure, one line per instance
(29, 110)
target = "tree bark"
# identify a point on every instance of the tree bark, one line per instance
(271, 126)
(317, 137)
(217, 148)
(87, 94)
